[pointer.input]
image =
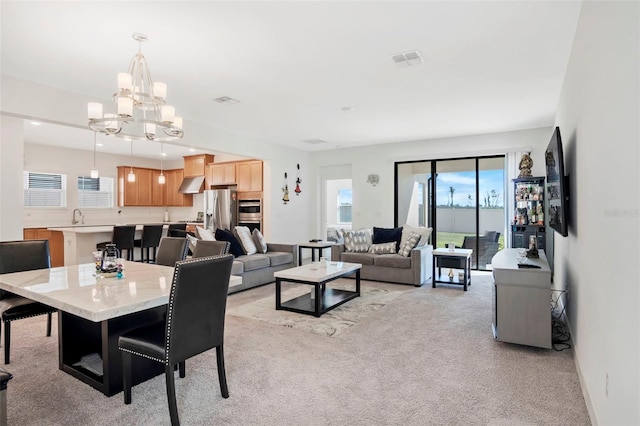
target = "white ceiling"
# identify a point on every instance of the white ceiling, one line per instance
(488, 66)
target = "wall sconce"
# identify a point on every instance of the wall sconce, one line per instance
(373, 179)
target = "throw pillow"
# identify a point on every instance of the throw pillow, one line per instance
(204, 234)
(387, 235)
(357, 241)
(226, 235)
(246, 240)
(258, 238)
(383, 248)
(192, 242)
(410, 243)
(425, 234)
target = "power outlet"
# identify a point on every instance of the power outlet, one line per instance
(606, 384)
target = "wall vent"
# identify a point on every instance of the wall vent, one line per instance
(314, 141)
(406, 59)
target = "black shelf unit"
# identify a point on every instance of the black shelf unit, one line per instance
(529, 220)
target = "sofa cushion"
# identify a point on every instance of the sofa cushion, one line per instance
(425, 234)
(254, 261)
(383, 248)
(386, 235)
(392, 260)
(357, 241)
(279, 258)
(204, 234)
(363, 258)
(258, 238)
(225, 235)
(409, 244)
(244, 235)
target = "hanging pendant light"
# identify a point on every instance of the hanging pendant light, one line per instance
(161, 179)
(131, 177)
(94, 171)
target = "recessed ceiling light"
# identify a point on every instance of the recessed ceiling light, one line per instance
(36, 123)
(192, 150)
(99, 144)
(314, 141)
(164, 154)
(406, 59)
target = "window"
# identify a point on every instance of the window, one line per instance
(344, 205)
(95, 193)
(44, 189)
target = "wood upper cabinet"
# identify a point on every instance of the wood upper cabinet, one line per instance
(138, 193)
(221, 174)
(249, 176)
(195, 165)
(158, 191)
(143, 178)
(173, 197)
(56, 243)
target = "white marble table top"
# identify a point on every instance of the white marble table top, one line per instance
(452, 252)
(316, 244)
(318, 271)
(77, 290)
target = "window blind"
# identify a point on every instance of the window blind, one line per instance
(95, 192)
(44, 189)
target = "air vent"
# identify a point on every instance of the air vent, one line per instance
(226, 100)
(407, 58)
(314, 141)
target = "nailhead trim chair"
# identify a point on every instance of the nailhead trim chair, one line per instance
(18, 256)
(172, 250)
(206, 248)
(194, 324)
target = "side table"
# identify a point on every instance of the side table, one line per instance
(319, 245)
(454, 259)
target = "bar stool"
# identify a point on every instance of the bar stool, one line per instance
(177, 230)
(151, 235)
(123, 237)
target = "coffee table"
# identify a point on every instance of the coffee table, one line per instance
(321, 299)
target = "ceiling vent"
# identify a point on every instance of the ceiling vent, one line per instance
(226, 100)
(407, 59)
(314, 141)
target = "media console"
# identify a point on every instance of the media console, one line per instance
(521, 299)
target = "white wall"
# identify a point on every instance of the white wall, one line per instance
(11, 150)
(374, 205)
(598, 262)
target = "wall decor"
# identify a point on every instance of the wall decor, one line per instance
(298, 182)
(285, 189)
(525, 165)
(373, 179)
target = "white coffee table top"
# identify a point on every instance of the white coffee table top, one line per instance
(318, 271)
(317, 244)
(452, 252)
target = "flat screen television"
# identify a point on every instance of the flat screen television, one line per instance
(556, 185)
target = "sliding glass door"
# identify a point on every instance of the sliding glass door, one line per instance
(461, 199)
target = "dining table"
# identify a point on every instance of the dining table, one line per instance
(94, 310)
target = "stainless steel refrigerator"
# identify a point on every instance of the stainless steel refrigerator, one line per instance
(220, 209)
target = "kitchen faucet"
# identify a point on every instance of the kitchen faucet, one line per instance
(75, 221)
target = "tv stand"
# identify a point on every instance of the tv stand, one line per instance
(522, 299)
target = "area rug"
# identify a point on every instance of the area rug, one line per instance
(332, 323)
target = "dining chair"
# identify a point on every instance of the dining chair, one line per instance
(206, 248)
(18, 256)
(149, 242)
(172, 250)
(194, 324)
(123, 236)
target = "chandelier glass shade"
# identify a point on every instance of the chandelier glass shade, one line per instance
(141, 110)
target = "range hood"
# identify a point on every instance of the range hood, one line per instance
(191, 185)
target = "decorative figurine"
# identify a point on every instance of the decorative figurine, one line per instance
(525, 165)
(451, 275)
(298, 182)
(285, 189)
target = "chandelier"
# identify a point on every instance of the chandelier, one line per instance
(141, 113)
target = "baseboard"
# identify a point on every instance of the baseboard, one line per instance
(583, 386)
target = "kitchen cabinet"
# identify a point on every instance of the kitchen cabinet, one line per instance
(249, 176)
(138, 193)
(158, 191)
(195, 165)
(221, 174)
(173, 197)
(56, 242)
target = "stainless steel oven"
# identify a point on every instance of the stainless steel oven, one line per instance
(251, 224)
(249, 210)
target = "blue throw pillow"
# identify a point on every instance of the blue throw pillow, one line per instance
(387, 235)
(225, 235)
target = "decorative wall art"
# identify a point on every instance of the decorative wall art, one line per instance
(285, 190)
(298, 182)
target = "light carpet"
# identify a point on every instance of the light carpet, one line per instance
(332, 323)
